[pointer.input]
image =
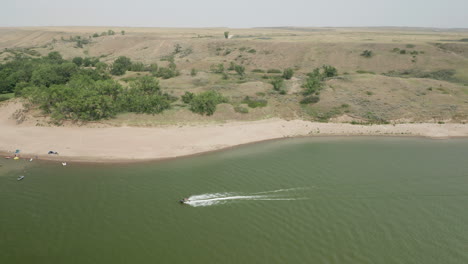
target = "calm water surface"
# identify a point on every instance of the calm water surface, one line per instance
(309, 200)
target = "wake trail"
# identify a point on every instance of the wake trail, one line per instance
(208, 199)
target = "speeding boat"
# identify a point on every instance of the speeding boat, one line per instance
(184, 201)
(20, 178)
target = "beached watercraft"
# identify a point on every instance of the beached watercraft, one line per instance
(184, 201)
(20, 178)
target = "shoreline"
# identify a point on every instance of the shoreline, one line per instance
(143, 144)
(99, 159)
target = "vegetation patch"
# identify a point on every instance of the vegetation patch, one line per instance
(444, 75)
(254, 102)
(205, 103)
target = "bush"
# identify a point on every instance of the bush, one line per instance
(312, 85)
(258, 71)
(240, 70)
(251, 51)
(273, 71)
(288, 73)
(329, 71)
(403, 51)
(367, 53)
(217, 68)
(241, 109)
(95, 35)
(122, 32)
(226, 34)
(187, 97)
(254, 103)
(365, 72)
(396, 50)
(137, 67)
(166, 73)
(277, 84)
(410, 46)
(310, 100)
(193, 72)
(206, 102)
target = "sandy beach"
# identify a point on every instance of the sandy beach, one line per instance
(139, 143)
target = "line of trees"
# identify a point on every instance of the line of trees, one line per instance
(67, 90)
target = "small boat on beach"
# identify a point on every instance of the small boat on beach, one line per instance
(20, 178)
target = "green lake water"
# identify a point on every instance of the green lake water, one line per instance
(307, 200)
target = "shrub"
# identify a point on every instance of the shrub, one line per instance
(258, 71)
(95, 35)
(288, 73)
(367, 53)
(122, 32)
(365, 72)
(410, 46)
(312, 85)
(310, 100)
(241, 109)
(251, 51)
(254, 103)
(137, 67)
(403, 51)
(193, 72)
(329, 71)
(232, 66)
(240, 70)
(187, 97)
(217, 68)
(226, 34)
(206, 102)
(396, 50)
(166, 73)
(277, 84)
(273, 71)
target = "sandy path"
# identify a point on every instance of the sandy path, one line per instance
(135, 143)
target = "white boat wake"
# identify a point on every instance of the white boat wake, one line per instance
(208, 199)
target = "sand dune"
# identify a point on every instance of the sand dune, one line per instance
(138, 143)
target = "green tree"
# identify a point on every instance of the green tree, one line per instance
(121, 65)
(226, 34)
(122, 32)
(78, 61)
(206, 102)
(54, 57)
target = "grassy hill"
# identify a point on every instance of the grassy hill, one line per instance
(411, 75)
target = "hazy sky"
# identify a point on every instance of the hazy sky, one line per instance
(235, 13)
